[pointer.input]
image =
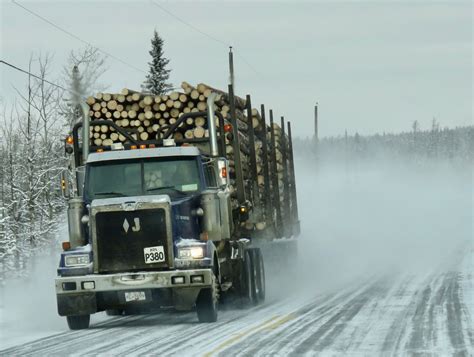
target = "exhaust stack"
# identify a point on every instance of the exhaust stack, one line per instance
(85, 133)
(212, 124)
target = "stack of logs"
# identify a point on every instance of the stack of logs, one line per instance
(147, 117)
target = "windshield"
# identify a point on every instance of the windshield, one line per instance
(174, 177)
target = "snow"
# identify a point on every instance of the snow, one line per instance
(386, 268)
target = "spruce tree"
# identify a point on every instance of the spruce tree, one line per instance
(156, 79)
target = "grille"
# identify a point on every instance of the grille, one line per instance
(123, 236)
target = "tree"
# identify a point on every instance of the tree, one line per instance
(156, 79)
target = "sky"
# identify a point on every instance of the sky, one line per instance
(372, 66)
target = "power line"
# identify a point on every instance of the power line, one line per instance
(108, 54)
(189, 25)
(215, 39)
(33, 75)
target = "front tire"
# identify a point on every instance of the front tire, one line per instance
(79, 322)
(207, 303)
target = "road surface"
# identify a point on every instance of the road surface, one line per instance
(389, 314)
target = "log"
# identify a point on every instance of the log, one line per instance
(199, 121)
(144, 136)
(135, 97)
(174, 96)
(149, 115)
(201, 106)
(148, 100)
(120, 98)
(199, 132)
(132, 114)
(194, 94)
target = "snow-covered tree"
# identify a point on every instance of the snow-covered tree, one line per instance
(156, 81)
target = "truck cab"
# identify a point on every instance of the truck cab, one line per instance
(174, 213)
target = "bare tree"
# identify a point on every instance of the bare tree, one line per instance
(81, 76)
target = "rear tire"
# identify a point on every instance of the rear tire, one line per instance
(260, 281)
(79, 322)
(207, 303)
(248, 273)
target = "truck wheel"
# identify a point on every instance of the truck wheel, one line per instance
(79, 322)
(260, 282)
(248, 279)
(207, 303)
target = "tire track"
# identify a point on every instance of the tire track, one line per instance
(47, 344)
(419, 327)
(456, 316)
(327, 333)
(288, 335)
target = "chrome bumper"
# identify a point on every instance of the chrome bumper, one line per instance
(126, 281)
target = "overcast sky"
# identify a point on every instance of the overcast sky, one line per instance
(372, 66)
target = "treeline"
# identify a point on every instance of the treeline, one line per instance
(418, 146)
(32, 130)
(30, 163)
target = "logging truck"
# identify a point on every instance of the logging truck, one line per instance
(170, 219)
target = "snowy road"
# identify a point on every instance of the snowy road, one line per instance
(416, 313)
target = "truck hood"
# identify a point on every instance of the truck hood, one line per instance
(130, 203)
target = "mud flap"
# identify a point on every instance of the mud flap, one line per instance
(185, 298)
(280, 255)
(76, 304)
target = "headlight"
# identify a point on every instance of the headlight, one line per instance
(191, 253)
(77, 259)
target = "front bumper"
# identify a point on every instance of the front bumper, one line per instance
(87, 294)
(128, 281)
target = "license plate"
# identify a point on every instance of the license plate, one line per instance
(135, 296)
(154, 254)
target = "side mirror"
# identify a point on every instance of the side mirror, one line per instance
(223, 174)
(65, 187)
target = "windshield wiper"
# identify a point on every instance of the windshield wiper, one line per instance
(110, 193)
(166, 188)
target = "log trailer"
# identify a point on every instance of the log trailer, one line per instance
(151, 223)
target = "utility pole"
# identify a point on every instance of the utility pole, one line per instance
(231, 68)
(316, 137)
